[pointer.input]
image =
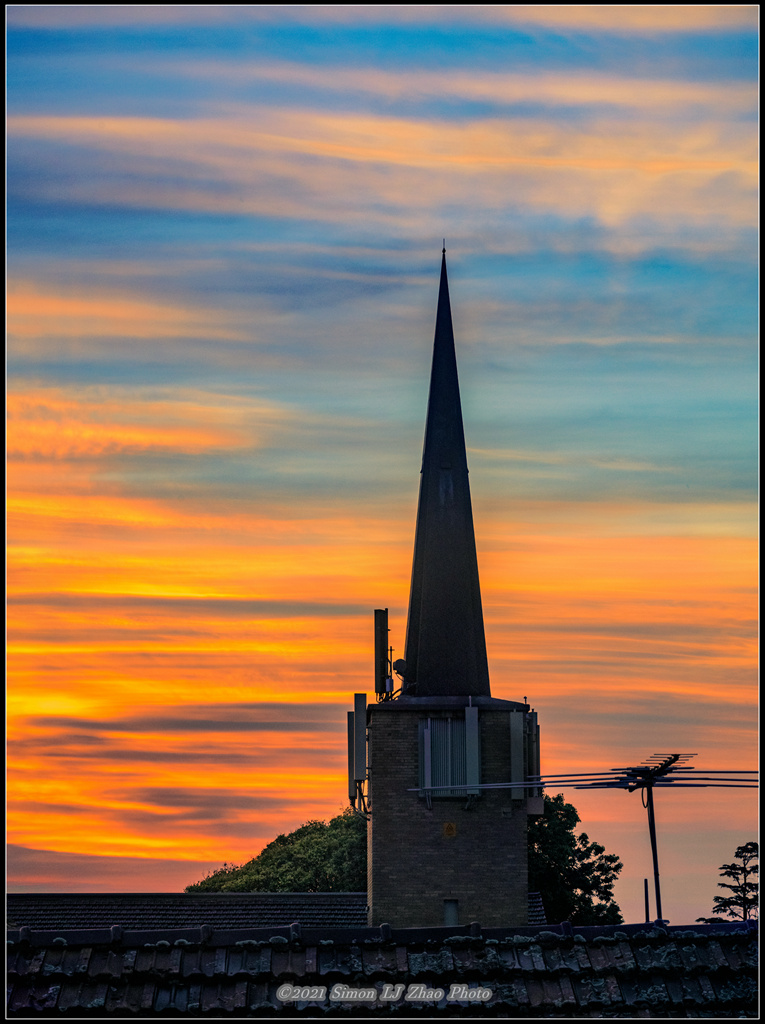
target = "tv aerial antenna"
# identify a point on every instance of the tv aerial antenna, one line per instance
(659, 771)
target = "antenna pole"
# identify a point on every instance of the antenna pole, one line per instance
(647, 907)
(652, 831)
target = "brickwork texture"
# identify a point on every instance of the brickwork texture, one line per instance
(419, 857)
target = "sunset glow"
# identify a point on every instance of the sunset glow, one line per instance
(224, 236)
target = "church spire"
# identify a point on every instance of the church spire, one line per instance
(445, 644)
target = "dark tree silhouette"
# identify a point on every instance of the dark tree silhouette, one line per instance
(744, 901)
(574, 876)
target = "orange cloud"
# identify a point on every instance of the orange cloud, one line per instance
(649, 148)
(637, 18)
(34, 312)
(611, 168)
(56, 424)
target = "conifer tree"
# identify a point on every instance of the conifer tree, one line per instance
(744, 901)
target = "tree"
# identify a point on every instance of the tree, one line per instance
(317, 857)
(574, 876)
(744, 901)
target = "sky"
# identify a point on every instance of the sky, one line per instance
(224, 238)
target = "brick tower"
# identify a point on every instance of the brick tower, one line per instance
(444, 846)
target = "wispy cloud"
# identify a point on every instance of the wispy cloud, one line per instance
(42, 870)
(55, 424)
(591, 93)
(39, 312)
(393, 169)
(223, 141)
(639, 18)
(559, 458)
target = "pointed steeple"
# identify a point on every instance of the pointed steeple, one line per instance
(445, 643)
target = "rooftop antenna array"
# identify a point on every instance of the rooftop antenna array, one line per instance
(357, 719)
(357, 754)
(384, 686)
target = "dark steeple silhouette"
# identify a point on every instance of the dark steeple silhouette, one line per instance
(445, 643)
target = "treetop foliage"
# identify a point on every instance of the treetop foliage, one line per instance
(317, 857)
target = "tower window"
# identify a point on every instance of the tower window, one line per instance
(451, 912)
(449, 756)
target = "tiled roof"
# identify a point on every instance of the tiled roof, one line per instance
(186, 910)
(180, 910)
(627, 971)
(536, 909)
